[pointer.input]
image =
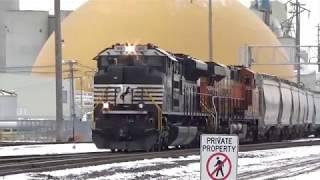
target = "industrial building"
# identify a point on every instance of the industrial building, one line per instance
(22, 35)
(275, 15)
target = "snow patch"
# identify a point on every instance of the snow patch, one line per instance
(49, 149)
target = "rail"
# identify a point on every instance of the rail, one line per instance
(16, 165)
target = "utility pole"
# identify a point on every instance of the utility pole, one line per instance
(81, 96)
(318, 28)
(58, 53)
(72, 104)
(210, 32)
(298, 7)
(297, 11)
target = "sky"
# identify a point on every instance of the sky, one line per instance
(308, 23)
(48, 5)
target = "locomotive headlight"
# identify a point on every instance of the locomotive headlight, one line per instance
(106, 105)
(130, 49)
(140, 105)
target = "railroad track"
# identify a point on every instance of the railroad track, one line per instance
(35, 143)
(15, 165)
(276, 145)
(39, 163)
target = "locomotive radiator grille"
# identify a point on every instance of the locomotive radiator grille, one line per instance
(128, 93)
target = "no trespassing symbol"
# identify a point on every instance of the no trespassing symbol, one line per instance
(219, 166)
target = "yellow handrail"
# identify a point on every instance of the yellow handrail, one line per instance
(212, 114)
(158, 108)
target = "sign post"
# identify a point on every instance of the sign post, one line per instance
(219, 157)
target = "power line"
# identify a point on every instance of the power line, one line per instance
(35, 72)
(30, 67)
(85, 66)
(210, 36)
(318, 34)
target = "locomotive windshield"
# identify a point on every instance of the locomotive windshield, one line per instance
(131, 60)
(126, 56)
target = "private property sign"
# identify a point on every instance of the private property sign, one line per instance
(219, 157)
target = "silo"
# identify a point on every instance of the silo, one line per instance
(179, 26)
(5, 6)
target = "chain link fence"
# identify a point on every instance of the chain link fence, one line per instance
(43, 131)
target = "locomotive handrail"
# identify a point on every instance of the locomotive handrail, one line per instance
(212, 114)
(215, 96)
(158, 108)
(216, 113)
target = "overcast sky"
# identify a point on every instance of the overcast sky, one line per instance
(308, 23)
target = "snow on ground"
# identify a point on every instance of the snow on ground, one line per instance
(48, 149)
(297, 163)
(305, 139)
(287, 163)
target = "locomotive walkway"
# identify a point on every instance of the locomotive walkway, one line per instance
(39, 163)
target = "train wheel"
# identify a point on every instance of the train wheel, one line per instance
(301, 132)
(269, 135)
(295, 133)
(165, 148)
(284, 134)
(291, 133)
(150, 149)
(277, 134)
(273, 134)
(164, 143)
(158, 146)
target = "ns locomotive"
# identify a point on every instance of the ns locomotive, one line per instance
(146, 98)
